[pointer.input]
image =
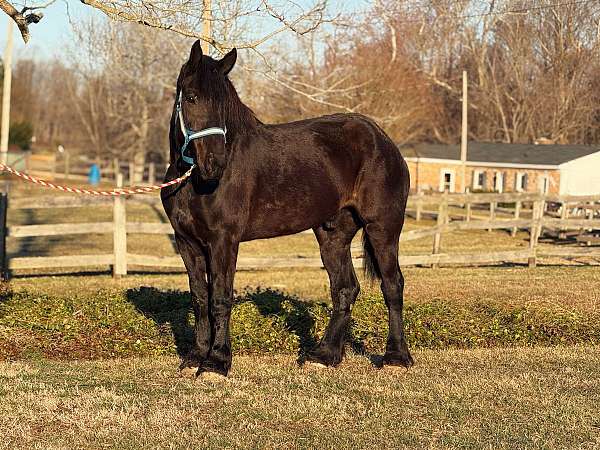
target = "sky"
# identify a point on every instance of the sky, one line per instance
(48, 35)
(54, 29)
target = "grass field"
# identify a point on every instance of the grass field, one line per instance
(492, 382)
(506, 397)
(517, 398)
(546, 287)
(286, 311)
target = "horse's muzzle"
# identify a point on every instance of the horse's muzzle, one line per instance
(212, 169)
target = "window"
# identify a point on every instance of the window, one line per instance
(447, 178)
(479, 180)
(499, 181)
(521, 182)
(544, 184)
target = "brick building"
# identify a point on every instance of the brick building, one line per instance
(554, 169)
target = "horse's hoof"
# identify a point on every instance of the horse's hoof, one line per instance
(398, 369)
(316, 365)
(188, 372)
(323, 357)
(212, 377)
(401, 360)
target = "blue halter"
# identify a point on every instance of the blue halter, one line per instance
(189, 135)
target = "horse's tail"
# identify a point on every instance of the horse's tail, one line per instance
(370, 266)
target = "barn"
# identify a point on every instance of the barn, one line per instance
(500, 167)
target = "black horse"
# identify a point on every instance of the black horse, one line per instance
(334, 174)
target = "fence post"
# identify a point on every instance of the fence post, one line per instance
(468, 205)
(564, 215)
(442, 219)
(151, 173)
(513, 232)
(53, 162)
(131, 173)
(116, 168)
(535, 229)
(119, 233)
(419, 204)
(4, 272)
(67, 164)
(492, 213)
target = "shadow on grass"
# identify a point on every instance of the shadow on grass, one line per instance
(172, 313)
(294, 312)
(170, 310)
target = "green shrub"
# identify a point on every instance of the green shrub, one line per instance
(149, 321)
(20, 133)
(253, 332)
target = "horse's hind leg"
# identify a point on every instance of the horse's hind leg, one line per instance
(334, 241)
(384, 240)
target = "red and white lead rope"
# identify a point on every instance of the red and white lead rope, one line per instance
(114, 192)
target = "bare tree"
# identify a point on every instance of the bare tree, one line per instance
(186, 17)
(126, 90)
(27, 15)
(533, 66)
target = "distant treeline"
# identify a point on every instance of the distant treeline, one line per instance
(534, 73)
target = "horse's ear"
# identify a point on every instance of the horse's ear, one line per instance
(228, 61)
(196, 54)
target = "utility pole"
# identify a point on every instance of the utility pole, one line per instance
(464, 137)
(6, 94)
(206, 24)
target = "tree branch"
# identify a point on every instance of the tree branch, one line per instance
(22, 19)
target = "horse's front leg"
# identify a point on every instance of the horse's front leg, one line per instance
(222, 262)
(194, 259)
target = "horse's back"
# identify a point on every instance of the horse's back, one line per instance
(350, 133)
(351, 142)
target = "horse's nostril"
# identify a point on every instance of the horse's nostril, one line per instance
(209, 161)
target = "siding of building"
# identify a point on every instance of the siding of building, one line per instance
(581, 176)
(426, 175)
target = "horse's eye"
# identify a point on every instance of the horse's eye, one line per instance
(191, 98)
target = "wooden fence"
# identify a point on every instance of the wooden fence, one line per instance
(77, 167)
(452, 212)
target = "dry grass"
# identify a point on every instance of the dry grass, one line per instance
(518, 398)
(549, 287)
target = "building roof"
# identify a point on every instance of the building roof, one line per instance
(552, 155)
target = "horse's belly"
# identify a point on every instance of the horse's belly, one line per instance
(251, 235)
(271, 219)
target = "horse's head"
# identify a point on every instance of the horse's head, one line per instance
(203, 91)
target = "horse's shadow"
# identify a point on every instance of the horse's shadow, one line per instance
(295, 313)
(172, 312)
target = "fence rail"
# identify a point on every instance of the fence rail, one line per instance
(77, 167)
(534, 218)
